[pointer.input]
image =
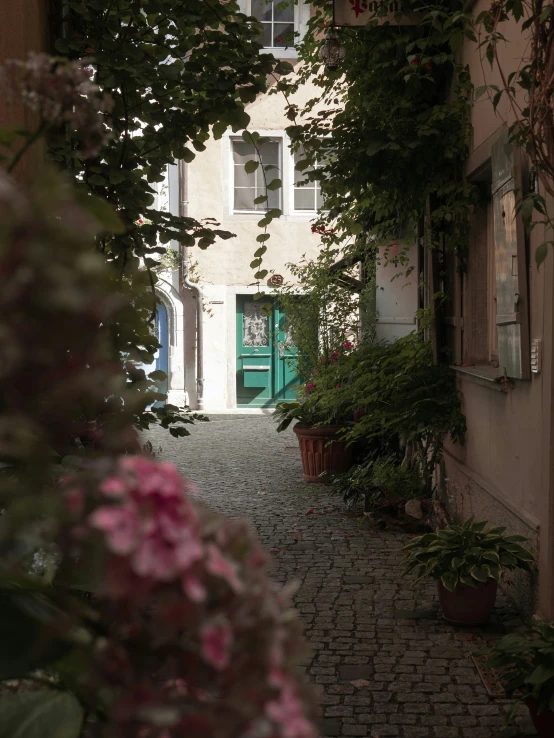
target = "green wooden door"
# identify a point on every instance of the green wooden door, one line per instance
(265, 359)
(285, 359)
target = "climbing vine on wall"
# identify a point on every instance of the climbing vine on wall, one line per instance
(388, 131)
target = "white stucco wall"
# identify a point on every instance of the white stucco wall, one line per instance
(223, 270)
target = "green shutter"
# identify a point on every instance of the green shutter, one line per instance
(512, 299)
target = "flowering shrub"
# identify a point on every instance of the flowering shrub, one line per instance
(203, 641)
(133, 611)
(62, 92)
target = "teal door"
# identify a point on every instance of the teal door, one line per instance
(266, 368)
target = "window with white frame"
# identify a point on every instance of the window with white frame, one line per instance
(284, 23)
(248, 187)
(307, 197)
(277, 19)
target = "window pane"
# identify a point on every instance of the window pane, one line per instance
(244, 198)
(270, 155)
(319, 199)
(243, 152)
(255, 325)
(242, 179)
(283, 35)
(304, 199)
(301, 176)
(274, 199)
(262, 9)
(284, 11)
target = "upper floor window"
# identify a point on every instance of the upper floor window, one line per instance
(248, 187)
(307, 195)
(277, 19)
(284, 23)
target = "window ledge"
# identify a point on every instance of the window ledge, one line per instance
(486, 376)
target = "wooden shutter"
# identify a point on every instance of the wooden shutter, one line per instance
(512, 300)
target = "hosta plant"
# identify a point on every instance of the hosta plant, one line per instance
(468, 554)
(525, 662)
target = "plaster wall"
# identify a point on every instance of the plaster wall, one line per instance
(504, 472)
(223, 270)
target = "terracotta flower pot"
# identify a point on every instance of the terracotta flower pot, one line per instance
(468, 605)
(543, 721)
(319, 457)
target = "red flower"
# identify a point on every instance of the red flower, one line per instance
(359, 413)
(338, 386)
(347, 344)
(310, 386)
(415, 62)
(428, 65)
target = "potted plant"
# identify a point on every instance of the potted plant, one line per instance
(323, 451)
(467, 561)
(525, 662)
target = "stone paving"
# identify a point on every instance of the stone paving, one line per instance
(384, 660)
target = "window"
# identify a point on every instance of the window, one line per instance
(307, 195)
(248, 187)
(277, 18)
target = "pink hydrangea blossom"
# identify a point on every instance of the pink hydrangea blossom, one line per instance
(156, 525)
(287, 711)
(217, 639)
(220, 566)
(121, 525)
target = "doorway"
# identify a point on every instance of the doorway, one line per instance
(266, 369)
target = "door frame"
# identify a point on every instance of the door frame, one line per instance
(231, 294)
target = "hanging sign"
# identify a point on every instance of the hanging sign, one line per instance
(360, 12)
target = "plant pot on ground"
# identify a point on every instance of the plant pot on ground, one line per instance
(525, 662)
(323, 452)
(467, 562)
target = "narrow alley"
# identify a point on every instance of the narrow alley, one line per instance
(384, 660)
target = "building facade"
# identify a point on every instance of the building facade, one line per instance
(500, 332)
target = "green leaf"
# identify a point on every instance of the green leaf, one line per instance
(263, 237)
(540, 675)
(541, 253)
(480, 573)
(356, 228)
(251, 166)
(275, 184)
(449, 581)
(468, 581)
(508, 560)
(40, 714)
(260, 199)
(104, 213)
(158, 375)
(491, 556)
(456, 562)
(219, 129)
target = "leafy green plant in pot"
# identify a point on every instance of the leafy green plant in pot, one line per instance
(467, 561)
(526, 665)
(320, 435)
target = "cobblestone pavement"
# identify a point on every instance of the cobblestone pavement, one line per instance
(386, 664)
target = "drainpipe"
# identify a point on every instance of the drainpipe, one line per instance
(184, 281)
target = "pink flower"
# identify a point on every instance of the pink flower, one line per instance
(121, 525)
(347, 344)
(193, 588)
(310, 386)
(156, 525)
(338, 386)
(219, 566)
(287, 712)
(217, 638)
(113, 487)
(75, 500)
